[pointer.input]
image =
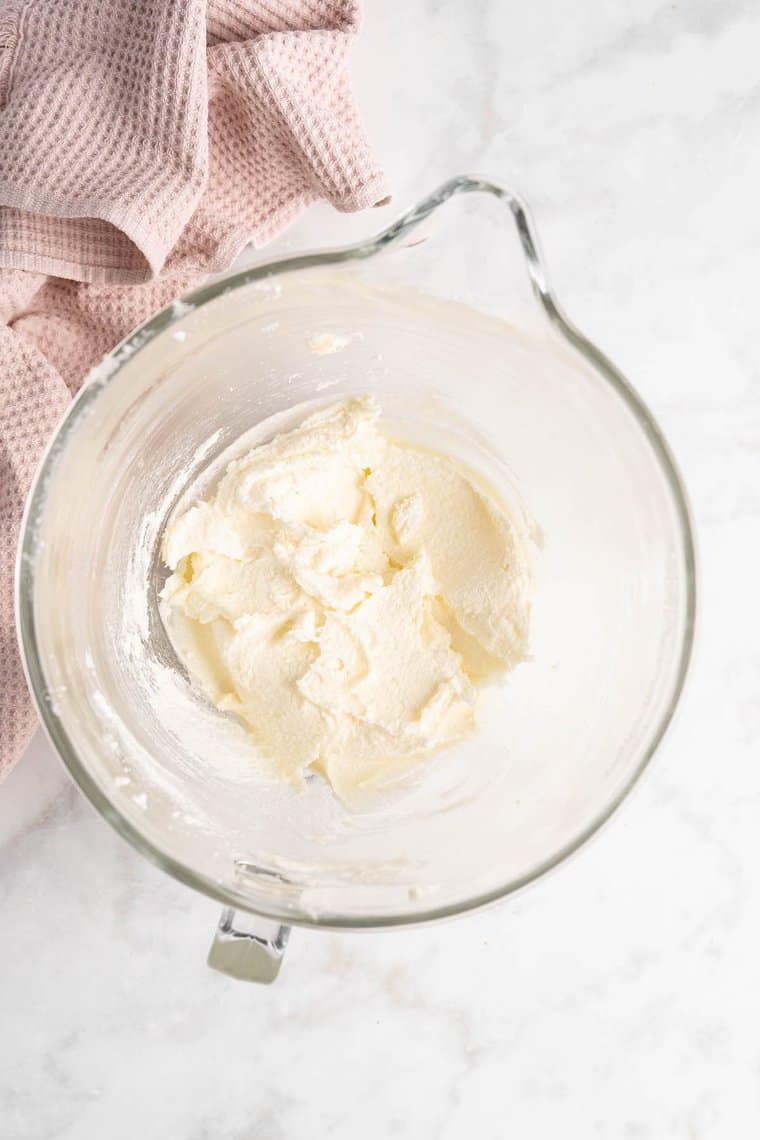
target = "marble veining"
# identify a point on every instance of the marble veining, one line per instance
(617, 998)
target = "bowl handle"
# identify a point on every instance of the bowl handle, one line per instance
(248, 947)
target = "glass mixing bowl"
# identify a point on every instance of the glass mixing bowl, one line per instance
(466, 351)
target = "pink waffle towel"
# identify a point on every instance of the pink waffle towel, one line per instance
(142, 145)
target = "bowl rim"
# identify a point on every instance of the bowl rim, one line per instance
(106, 372)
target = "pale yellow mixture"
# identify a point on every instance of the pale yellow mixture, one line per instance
(346, 595)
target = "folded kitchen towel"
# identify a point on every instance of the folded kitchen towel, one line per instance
(142, 145)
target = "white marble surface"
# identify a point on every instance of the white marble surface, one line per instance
(619, 998)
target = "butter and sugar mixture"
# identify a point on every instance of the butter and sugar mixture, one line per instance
(346, 594)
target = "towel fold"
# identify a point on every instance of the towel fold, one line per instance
(142, 146)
